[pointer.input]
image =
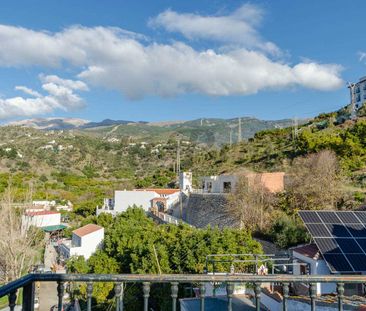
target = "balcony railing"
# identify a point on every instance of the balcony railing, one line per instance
(28, 284)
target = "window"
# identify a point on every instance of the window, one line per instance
(227, 186)
(209, 186)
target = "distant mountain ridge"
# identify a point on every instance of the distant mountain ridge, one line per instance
(66, 123)
(210, 131)
(50, 123)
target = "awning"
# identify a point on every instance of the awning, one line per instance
(53, 228)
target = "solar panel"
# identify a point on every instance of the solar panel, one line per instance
(338, 262)
(357, 230)
(362, 243)
(318, 230)
(338, 231)
(358, 261)
(361, 216)
(329, 218)
(348, 218)
(310, 217)
(340, 237)
(349, 246)
(327, 246)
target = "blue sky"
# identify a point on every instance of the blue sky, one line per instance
(175, 60)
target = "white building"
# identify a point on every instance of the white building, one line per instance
(274, 182)
(360, 92)
(162, 199)
(85, 241)
(46, 205)
(314, 264)
(219, 184)
(185, 181)
(40, 219)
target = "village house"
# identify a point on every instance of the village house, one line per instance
(160, 199)
(226, 183)
(40, 219)
(150, 199)
(85, 241)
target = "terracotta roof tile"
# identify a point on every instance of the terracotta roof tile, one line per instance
(87, 229)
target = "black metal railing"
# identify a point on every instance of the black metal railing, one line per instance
(28, 284)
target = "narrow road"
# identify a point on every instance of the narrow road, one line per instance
(48, 290)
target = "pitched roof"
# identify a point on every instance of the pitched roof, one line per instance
(159, 199)
(87, 229)
(309, 250)
(160, 191)
(41, 213)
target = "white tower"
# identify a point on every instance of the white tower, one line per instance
(185, 181)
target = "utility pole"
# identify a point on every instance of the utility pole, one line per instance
(178, 157)
(351, 87)
(231, 136)
(239, 131)
(295, 129)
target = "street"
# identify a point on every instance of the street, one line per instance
(48, 290)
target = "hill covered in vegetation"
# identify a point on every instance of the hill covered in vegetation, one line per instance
(208, 131)
(83, 168)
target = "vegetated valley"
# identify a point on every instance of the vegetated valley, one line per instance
(324, 160)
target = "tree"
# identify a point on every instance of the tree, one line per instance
(286, 231)
(135, 244)
(315, 182)
(250, 202)
(19, 246)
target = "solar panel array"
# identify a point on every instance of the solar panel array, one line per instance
(340, 238)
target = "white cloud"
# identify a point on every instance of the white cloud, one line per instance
(238, 27)
(70, 84)
(175, 69)
(362, 56)
(115, 59)
(28, 91)
(59, 95)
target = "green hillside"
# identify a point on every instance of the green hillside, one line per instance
(202, 131)
(87, 165)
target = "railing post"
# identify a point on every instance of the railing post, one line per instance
(60, 294)
(121, 298)
(285, 288)
(312, 290)
(174, 288)
(229, 293)
(146, 292)
(202, 296)
(12, 300)
(118, 292)
(28, 297)
(89, 293)
(257, 291)
(340, 292)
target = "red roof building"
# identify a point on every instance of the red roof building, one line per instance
(87, 229)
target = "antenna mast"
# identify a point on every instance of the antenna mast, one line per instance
(178, 157)
(239, 131)
(231, 136)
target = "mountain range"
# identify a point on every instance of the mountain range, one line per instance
(206, 130)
